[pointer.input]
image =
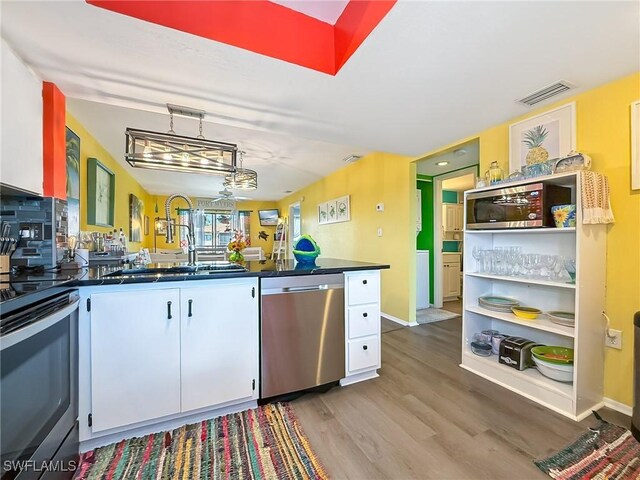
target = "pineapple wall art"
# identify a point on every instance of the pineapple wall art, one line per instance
(541, 138)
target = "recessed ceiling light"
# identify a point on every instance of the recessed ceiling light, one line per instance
(442, 164)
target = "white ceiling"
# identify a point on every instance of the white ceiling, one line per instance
(430, 73)
(460, 184)
(283, 163)
(458, 157)
(327, 11)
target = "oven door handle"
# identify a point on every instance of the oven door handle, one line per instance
(10, 339)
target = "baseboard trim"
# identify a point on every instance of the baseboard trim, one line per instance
(618, 406)
(402, 322)
(358, 377)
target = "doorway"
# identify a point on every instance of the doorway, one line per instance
(295, 225)
(441, 180)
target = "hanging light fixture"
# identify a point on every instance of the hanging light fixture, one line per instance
(168, 151)
(242, 178)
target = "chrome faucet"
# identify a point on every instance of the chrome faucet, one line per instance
(191, 237)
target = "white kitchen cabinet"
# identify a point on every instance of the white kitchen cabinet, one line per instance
(451, 275)
(587, 245)
(153, 365)
(219, 344)
(452, 217)
(362, 314)
(21, 162)
(135, 357)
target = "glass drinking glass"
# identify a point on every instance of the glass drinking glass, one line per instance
(570, 267)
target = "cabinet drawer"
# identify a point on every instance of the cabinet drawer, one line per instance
(363, 320)
(364, 353)
(363, 288)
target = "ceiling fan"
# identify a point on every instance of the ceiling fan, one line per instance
(226, 194)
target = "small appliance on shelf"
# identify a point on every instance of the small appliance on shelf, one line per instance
(522, 206)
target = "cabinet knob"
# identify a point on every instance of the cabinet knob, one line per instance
(364, 347)
(364, 282)
(169, 316)
(365, 314)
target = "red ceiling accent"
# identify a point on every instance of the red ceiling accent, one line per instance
(264, 27)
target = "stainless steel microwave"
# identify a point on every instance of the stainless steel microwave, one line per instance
(522, 206)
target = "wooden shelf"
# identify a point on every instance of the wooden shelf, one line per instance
(529, 376)
(540, 323)
(530, 281)
(525, 230)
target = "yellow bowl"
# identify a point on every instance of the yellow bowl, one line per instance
(526, 313)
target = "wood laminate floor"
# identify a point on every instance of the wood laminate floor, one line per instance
(427, 418)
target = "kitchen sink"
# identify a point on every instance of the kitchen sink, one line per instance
(178, 269)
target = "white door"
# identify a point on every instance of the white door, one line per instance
(459, 220)
(135, 357)
(449, 217)
(219, 343)
(451, 277)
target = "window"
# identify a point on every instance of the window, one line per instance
(214, 230)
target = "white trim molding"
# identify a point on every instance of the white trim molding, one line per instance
(618, 406)
(402, 322)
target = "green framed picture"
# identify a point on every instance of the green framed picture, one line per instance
(101, 193)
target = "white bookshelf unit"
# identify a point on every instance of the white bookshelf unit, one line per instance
(585, 243)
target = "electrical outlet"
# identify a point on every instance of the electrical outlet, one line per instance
(615, 340)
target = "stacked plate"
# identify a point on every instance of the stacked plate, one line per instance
(497, 304)
(568, 319)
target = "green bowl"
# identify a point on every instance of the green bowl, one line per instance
(557, 355)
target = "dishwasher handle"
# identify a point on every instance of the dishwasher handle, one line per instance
(312, 288)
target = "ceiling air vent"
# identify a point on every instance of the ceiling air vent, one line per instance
(547, 92)
(351, 158)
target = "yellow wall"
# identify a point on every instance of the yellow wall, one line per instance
(253, 206)
(603, 132)
(125, 184)
(376, 178)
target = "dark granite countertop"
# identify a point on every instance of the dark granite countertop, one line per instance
(18, 290)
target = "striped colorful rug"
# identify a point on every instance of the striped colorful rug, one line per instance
(606, 452)
(264, 443)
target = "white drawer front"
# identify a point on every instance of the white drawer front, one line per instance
(363, 288)
(364, 353)
(363, 320)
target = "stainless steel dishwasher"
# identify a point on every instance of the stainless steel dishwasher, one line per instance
(302, 333)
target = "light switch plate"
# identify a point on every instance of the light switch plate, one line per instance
(379, 231)
(380, 208)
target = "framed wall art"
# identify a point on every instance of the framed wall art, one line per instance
(549, 135)
(635, 145)
(73, 181)
(136, 207)
(334, 211)
(322, 213)
(343, 211)
(101, 193)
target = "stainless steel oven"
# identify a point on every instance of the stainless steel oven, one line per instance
(38, 388)
(522, 206)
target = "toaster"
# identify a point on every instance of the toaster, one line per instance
(516, 352)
